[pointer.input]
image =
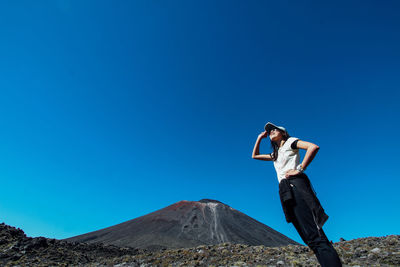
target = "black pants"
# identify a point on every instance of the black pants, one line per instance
(315, 238)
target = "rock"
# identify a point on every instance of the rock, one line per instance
(18, 250)
(376, 250)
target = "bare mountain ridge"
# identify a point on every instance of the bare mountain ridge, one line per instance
(187, 224)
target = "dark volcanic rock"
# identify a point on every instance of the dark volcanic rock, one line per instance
(18, 250)
(188, 224)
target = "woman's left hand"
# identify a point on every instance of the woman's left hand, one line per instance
(291, 173)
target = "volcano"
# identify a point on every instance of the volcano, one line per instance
(187, 224)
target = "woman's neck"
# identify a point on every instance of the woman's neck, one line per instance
(281, 143)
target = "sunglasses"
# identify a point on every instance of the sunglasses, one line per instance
(275, 129)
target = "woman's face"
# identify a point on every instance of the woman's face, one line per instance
(275, 135)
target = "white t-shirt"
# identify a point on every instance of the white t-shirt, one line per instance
(288, 158)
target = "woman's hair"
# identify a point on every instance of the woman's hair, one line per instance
(275, 146)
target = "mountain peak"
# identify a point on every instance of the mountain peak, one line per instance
(207, 200)
(187, 224)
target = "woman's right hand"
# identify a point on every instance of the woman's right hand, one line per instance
(263, 134)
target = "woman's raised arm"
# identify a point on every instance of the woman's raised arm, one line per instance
(256, 149)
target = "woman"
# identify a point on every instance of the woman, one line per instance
(299, 201)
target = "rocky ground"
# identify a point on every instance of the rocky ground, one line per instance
(16, 249)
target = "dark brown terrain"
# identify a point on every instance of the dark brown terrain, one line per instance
(187, 224)
(16, 249)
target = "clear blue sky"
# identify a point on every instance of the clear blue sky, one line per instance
(111, 110)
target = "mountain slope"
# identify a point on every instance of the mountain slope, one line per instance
(188, 224)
